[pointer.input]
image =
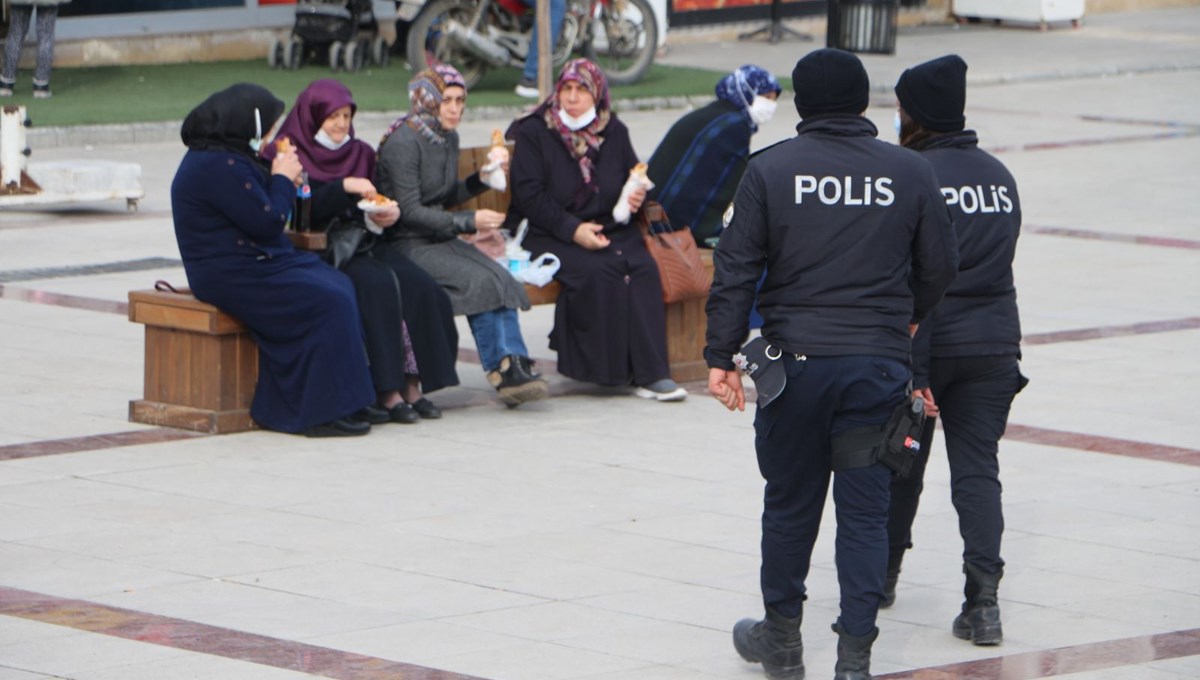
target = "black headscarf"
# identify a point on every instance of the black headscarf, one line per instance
(225, 120)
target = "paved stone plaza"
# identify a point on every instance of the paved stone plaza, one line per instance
(599, 536)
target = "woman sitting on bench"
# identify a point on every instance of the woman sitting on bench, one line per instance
(229, 211)
(572, 160)
(418, 166)
(412, 341)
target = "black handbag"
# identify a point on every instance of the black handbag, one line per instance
(344, 240)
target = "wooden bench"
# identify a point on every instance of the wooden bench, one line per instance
(685, 320)
(201, 364)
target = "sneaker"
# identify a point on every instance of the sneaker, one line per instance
(662, 390)
(527, 89)
(41, 91)
(6, 89)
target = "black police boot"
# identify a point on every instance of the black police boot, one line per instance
(979, 621)
(854, 654)
(893, 577)
(775, 642)
(516, 382)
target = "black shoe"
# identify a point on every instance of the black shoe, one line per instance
(403, 413)
(426, 409)
(516, 382)
(342, 427)
(371, 414)
(980, 625)
(775, 642)
(853, 654)
(889, 590)
(41, 91)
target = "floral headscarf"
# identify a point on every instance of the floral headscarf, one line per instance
(582, 144)
(740, 87)
(425, 99)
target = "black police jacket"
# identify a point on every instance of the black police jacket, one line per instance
(855, 239)
(978, 316)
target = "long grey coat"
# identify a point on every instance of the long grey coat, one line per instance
(423, 178)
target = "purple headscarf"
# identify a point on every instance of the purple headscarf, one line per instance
(356, 158)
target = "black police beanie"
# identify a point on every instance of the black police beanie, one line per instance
(830, 81)
(934, 93)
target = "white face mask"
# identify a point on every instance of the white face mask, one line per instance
(575, 124)
(762, 109)
(256, 143)
(326, 141)
(897, 124)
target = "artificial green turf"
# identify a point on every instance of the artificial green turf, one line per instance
(128, 94)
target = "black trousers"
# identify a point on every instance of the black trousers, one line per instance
(391, 289)
(825, 396)
(974, 395)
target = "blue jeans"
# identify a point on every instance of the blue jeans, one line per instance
(558, 10)
(497, 335)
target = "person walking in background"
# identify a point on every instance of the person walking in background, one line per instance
(572, 161)
(858, 248)
(966, 354)
(697, 166)
(229, 207)
(20, 13)
(408, 323)
(528, 85)
(418, 167)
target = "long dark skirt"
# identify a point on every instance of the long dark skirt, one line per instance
(312, 367)
(390, 289)
(609, 323)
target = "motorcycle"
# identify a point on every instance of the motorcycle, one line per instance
(475, 36)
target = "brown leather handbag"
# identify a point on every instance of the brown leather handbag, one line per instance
(683, 274)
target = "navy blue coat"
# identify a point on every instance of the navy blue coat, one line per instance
(229, 217)
(978, 316)
(855, 238)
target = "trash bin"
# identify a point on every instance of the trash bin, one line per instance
(862, 26)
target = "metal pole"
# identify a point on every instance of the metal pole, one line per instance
(545, 53)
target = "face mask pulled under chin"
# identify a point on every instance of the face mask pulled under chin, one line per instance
(326, 141)
(762, 109)
(575, 124)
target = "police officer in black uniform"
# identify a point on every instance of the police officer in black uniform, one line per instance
(966, 354)
(858, 247)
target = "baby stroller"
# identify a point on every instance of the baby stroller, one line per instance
(344, 32)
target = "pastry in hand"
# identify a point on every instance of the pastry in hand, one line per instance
(498, 138)
(639, 172)
(283, 145)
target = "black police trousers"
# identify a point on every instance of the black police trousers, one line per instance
(825, 396)
(974, 395)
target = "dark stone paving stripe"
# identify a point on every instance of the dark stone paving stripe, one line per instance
(1065, 660)
(1099, 444)
(8, 292)
(96, 442)
(332, 663)
(143, 264)
(1164, 241)
(198, 637)
(1078, 334)
(1097, 141)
